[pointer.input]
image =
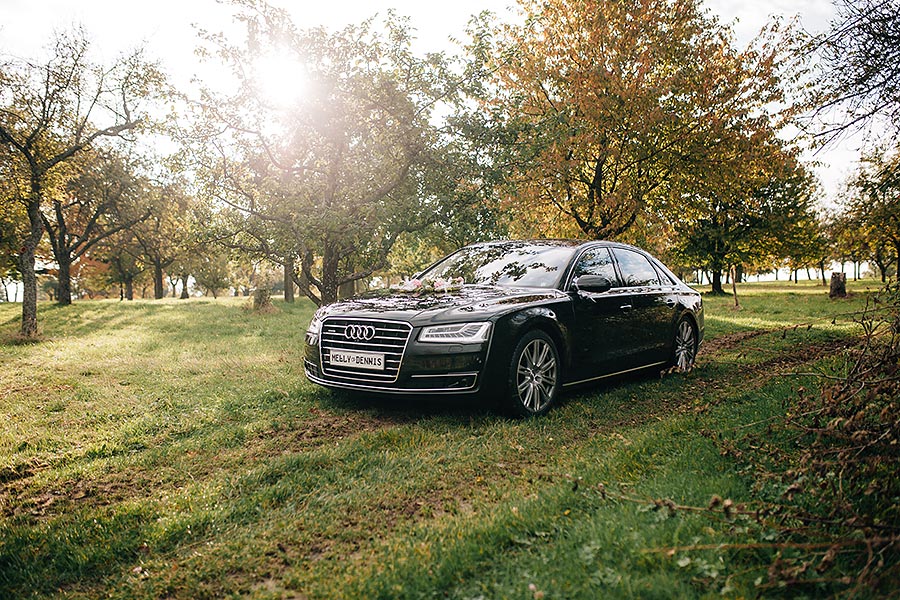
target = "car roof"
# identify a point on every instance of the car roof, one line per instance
(560, 242)
(535, 242)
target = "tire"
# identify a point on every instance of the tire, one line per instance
(684, 348)
(534, 375)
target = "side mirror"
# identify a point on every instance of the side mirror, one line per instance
(594, 284)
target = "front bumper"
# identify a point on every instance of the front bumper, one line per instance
(425, 368)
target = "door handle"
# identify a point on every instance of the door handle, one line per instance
(626, 307)
(671, 302)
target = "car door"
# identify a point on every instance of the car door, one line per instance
(600, 327)
(652, 309)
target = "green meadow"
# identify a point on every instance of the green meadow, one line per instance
(174, 449)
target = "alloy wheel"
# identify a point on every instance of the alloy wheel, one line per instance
(685, 346)
(536, 375)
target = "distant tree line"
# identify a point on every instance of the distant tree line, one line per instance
(638, 120)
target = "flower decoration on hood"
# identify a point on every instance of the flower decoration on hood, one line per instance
(422, 286)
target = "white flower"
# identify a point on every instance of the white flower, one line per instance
(429, 285)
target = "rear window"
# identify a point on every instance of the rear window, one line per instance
(637, 270)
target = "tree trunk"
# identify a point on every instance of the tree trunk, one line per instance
(289, 279)
(739, 273)
(159, 290)
(262, 300)
(129, 289)
(64, 293)
(29, 293)
(347, 289)
(776, 274)
(881, 269)
(838, 285)
(822, 269)
(302, 284)
(329, 291)
(734, 279)
(184, 288)
(717, 282)
(26, 265)
(796, 276)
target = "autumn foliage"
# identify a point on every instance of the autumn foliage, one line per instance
(618, 110)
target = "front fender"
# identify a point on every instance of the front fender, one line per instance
(510, 328)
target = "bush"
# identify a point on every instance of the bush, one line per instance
(829, 468)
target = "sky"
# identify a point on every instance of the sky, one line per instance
(168, 29)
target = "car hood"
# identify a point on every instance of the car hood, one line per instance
(471, 302)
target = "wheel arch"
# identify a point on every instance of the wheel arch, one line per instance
(544, 319)
(686, 313)
(691, 319)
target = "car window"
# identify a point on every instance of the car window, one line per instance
(664, 276)
(527, 264)
(636, 269)
(596, 261)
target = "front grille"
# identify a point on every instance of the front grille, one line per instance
(390, 340)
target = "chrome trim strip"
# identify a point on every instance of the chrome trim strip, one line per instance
(403, 391)
(656, 364)
(444, 375)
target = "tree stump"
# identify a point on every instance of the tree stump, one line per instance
(838, 285)
(262, 301)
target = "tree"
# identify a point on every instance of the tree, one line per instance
(875, 207)
(165, 235)
(754, 206)
(332, 179)
(612, 109)
(93, 277)
(212, 271)
(123, 255)
(47, 116)
(13, 221)
(102, 196)
(860, 58)
(805, 243)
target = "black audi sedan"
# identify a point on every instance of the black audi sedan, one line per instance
(515, 321)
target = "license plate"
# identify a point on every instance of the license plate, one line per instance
(361, 360)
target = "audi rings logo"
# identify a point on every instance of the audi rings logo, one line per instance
(359, 333)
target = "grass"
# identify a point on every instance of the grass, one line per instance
(175, 450)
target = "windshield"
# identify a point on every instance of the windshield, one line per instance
(527, 264)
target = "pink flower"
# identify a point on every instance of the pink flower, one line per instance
(429, 285)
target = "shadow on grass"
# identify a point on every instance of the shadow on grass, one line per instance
(405, 409)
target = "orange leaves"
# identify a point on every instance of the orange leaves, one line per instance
(618, 105)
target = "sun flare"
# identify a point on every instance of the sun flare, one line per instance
(280, 78)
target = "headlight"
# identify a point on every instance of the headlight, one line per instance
(314, 329)
(458, 333)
